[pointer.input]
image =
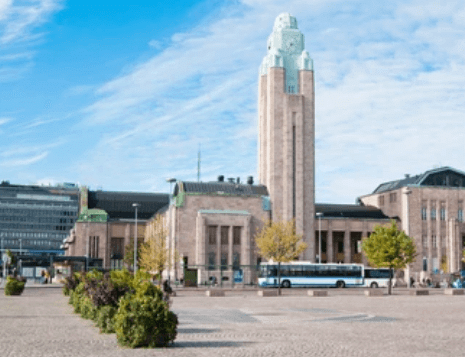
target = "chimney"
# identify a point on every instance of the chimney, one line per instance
(249, 180)
(407, 175)
(220, 178)
(238, 180)
(231, 179)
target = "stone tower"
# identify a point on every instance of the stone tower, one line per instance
(287, 128)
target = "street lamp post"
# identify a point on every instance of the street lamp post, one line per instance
(135, 205)
(20, 253)
(407, 193)
(319, 215)
(171, 180)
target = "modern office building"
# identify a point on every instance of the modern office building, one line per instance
(36, 219)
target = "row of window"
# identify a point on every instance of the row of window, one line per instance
(212, 263)
(30, 242)
(312, 270)
(36, 220)
(21, 235)
(38, 226)
(442, 214)
(434, 241)
(36, 212)
(224, 235)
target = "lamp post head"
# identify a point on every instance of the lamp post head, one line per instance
(170, 179)
(136, 205)
(319, 214)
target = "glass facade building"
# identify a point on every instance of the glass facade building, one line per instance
(36, 219)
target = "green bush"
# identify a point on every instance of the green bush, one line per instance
(14, 286)
(88, 309)
(145, 321)
(105, 319)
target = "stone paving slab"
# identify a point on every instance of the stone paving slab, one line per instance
(41, 323)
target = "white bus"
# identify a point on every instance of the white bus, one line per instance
(306, 274)
(376, 277)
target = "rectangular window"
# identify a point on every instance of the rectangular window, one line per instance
(340, 247)
(224, 235)
(211, 260)
(460, 215)
(237, 235)
(433, 214)
(434, 242)
(392, 197)
(424, 242)
(212, 234)
(224, 261)
(116, 248)
(94, 244)
(381, 200)
(443, 213)
(236, 261)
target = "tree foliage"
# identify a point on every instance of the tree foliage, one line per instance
(155, 253)
(388, 247)
(129, 252)
(279, 242)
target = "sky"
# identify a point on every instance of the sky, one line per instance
(120, 96)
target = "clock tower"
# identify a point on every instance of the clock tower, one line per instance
(287, 129)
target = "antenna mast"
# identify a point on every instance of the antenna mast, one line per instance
(198, 166)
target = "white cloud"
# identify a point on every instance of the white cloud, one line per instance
(17, 20)
(19, 24)
(389, 97)
(25, 161)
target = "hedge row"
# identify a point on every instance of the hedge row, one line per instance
(119, 302)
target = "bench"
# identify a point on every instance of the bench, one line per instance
(454, 292)
(215, 293)
(265, 293)
(317, 293)
(374, 292)
(419, 292)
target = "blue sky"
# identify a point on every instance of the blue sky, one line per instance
(120, 95)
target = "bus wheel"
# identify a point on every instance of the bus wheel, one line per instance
(340, 284)
(286, 284)
(374, 285)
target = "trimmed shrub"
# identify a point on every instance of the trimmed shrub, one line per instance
(145, 321)
(88, 309)
(105, 319)
(14, 286)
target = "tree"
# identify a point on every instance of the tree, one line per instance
(155, 253)
(129, 252)
(389, 248)
(279, 241)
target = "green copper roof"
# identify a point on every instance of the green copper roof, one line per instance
(286, 50)
(93, 215)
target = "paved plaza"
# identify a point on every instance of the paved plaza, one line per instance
(346, 323)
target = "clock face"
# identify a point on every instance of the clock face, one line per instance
(291, 43)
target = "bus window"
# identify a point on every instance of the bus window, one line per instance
(295, 270)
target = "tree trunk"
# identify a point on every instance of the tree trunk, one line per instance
(279, 278)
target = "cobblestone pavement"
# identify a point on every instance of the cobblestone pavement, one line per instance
(41, 323)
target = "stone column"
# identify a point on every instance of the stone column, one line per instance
(245, 242)
(347, 250)
(429, 237)
(218, 247)
(364, 258)
(230, 246)
(329, 244)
